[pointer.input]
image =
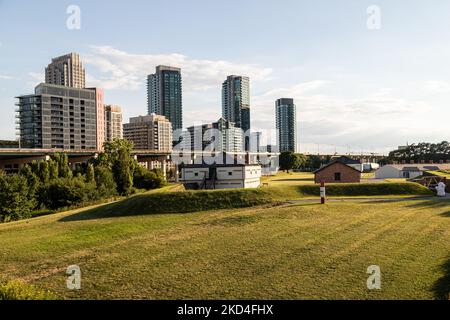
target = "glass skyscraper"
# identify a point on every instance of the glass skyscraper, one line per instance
(164, 93)
(286, 121)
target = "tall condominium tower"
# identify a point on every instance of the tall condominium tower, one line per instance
(113, 122)
(286, 121)
(164, 94)
(66, 71)
(236, 101)
(202, 137)
(58, 117)
(152, 132)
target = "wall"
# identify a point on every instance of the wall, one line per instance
(348, 174)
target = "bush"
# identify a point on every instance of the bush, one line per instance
(16, 202)
(19, 290)
(64, 192)
(146, 179)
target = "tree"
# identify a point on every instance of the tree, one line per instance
(104, 179)
(290, 160)
(53, 170)
(122, 172)
(15, 200)
(41, 169)
(66, 192)
(32, 180)
(62, 161)
(90, 174)
(117, 157)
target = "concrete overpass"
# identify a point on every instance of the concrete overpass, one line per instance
(12, 160)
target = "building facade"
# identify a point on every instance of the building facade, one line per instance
(337, 172)
(286, 124)
(59, 117)
(236, 101)
(201, 138)
(66, 71)
(152, 132)
(164, 94)
(222, 176)
(113, 122)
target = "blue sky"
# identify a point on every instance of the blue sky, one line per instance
(355, 89)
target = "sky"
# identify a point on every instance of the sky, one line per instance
(364, 78)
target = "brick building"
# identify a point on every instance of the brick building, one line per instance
(337, 171)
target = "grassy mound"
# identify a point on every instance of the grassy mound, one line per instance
(180, 202)
(19, 290)
(362, 189)
(197, 201)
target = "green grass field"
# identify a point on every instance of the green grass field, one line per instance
(306, 251)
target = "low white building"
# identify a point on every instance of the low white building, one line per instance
(408, 171)
(231, 176)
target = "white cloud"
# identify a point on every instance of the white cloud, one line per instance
(127, 71)
(436, 87)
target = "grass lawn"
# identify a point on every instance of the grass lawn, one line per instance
(292, 178)
(264, 252)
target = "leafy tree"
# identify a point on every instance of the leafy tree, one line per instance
(290, 160)
(66, 192)
(32, 180)
(62, 161)
(90, 175)
(117, 156)
(122, 171)
(41, 169)
(53, 170)
(104, 179)
(15, 200)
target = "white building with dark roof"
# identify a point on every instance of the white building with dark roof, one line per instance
(408, 171)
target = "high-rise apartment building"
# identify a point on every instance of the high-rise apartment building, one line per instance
(100, 117)
(151, 132)
(202, 137)
(236, 101)
(113, 122)
(164, 94)
(286, 123)
(66, 71)
(59, 117)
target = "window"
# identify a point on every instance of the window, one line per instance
(230, 173)
(196, 174)
(337, 176)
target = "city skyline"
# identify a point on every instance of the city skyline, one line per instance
(353, 87)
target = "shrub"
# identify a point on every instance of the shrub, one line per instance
(19, 290)
(64, 192)
(146, 179)
(15, 199)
